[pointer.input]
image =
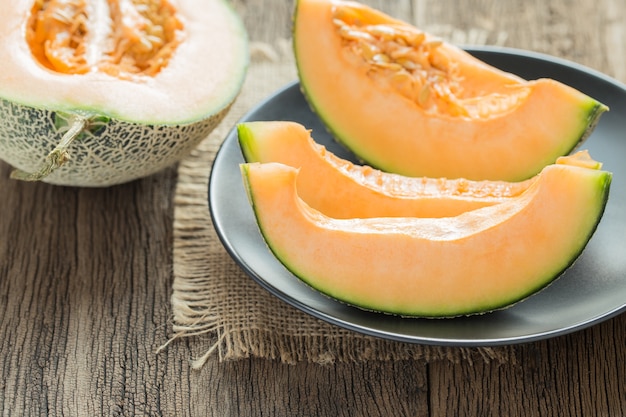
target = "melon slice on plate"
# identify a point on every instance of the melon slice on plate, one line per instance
(404, 101)
(94, 93)
(478, 261)
(341, 189)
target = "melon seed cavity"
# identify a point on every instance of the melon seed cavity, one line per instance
(126, 39)
(414, 65)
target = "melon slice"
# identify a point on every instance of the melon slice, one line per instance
(406, 102)
(341, 189)
(95, 93)
(476, 262)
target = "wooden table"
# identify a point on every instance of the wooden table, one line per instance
(85, 281)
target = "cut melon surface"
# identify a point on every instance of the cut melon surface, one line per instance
(404, 101)
(341, 189)
(201, 76)
(476, 262)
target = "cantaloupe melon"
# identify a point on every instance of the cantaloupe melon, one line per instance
(94, 93)
(404, 101)
(341, 189)
(478, 261)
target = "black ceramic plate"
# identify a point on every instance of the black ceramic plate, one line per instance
(593, 290)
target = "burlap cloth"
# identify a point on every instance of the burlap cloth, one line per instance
(233, 317)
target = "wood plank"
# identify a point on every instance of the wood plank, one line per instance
(575, 375)
(259, 387)
(86, 280)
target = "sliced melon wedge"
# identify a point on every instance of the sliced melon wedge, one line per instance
(341, 189)
(406, 102)
(479, 261)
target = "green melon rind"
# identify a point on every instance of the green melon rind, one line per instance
(602, 187)
(118, 152)
(247, 143)
(594, 110)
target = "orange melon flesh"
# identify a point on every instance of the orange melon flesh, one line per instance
(479, 261)
(341, 189)
(454, 117)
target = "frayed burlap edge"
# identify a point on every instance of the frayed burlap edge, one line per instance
(214, 302)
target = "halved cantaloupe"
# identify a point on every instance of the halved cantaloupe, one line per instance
(95, 93)
(406, 102)
(341, 189)
(476, 262)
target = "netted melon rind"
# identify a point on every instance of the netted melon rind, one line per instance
(118, 152)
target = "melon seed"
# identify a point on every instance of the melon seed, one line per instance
(407, 64)
(381, 58)
(383, 32)
(423, 95)
(354, 35)
(368, 50)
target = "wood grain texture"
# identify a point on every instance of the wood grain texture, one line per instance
(85, 281)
